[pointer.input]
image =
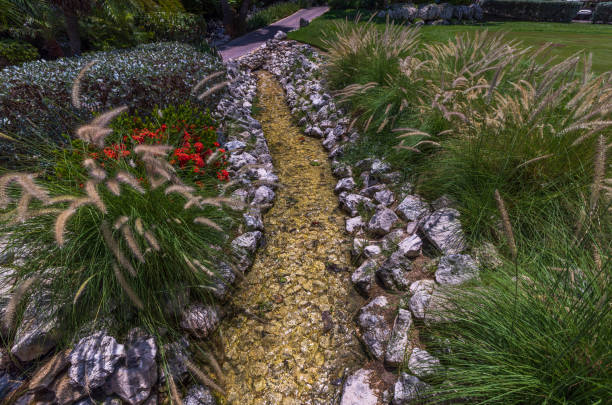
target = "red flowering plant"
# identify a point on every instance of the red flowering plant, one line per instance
(197, 155)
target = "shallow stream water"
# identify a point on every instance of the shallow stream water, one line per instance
(295, 348)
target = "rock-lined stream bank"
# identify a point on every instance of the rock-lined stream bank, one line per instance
(297, 346)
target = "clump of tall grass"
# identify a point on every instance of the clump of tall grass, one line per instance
(361, 53)
(123, 243)
(522, 147)
(538, 331)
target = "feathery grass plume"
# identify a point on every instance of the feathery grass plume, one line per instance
(599, 172)
(585, 125)
(205, 80)
(410, 148)
(11, 308)
(5, 136)
(114, 247)
(113, 186)
(148, 235)
(213, 90)
(91, 133)
(174, 394)
(207, 222)
(126, 288)
(60, 224)
(26, 182)
(139, 226)
(81, 289)
(185, 191)
(215, 365)
(76, 86)
(190, 264)
(213, 158)
(203, 268)
(103, 120)
(530, 161)
(506, 224)
(92, 193)
(153, 150)
(22, 207)
(128, 235)
(130, 180)
(204, 379)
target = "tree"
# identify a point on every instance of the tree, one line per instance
(235, 22)
(74, 9)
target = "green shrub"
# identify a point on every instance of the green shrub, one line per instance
(13, 52)
(271, 14)
(102, 34)
(603, 13)
(117, 232)
(180, 27)
(149, 76)
(527, 10)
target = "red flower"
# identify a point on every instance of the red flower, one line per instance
(164, 127)
(125, 153)
(183, 158)
(110, 153)
(199, 161)
(223, 175)
(196, 169)
(198, 146)
(216, 144)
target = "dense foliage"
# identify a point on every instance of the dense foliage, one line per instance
(149, 76)
(13, 52)
(603, 13)
(271, 14)
(477, 119)
(529, 10)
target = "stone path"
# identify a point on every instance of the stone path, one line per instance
(253, 40)
(299, 282)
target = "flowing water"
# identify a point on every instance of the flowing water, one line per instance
(300, 337)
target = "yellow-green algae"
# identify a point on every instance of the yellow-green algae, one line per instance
(297, 356)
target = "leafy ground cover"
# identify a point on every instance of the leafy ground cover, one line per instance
(567, 39)
(521, 148)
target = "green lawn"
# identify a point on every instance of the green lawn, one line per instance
(567, 38)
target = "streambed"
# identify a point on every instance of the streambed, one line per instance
(295, 347)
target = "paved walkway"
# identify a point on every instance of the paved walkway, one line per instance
(253, 40)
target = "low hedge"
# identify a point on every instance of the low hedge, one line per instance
(552, 11)
(35, 98)
(603, 13)
(13, 52)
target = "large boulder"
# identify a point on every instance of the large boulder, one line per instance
(375, 330)
(382, 221)
(456, 269)
(134, 379)
(412, 208)
(352, 203)
(443, 230)
(422, 364)
(409, 390)
(94, 359)
(363, 276)
(358, 390)
(38, 331)
(399, 341)
(200, 320)
(393, 272)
